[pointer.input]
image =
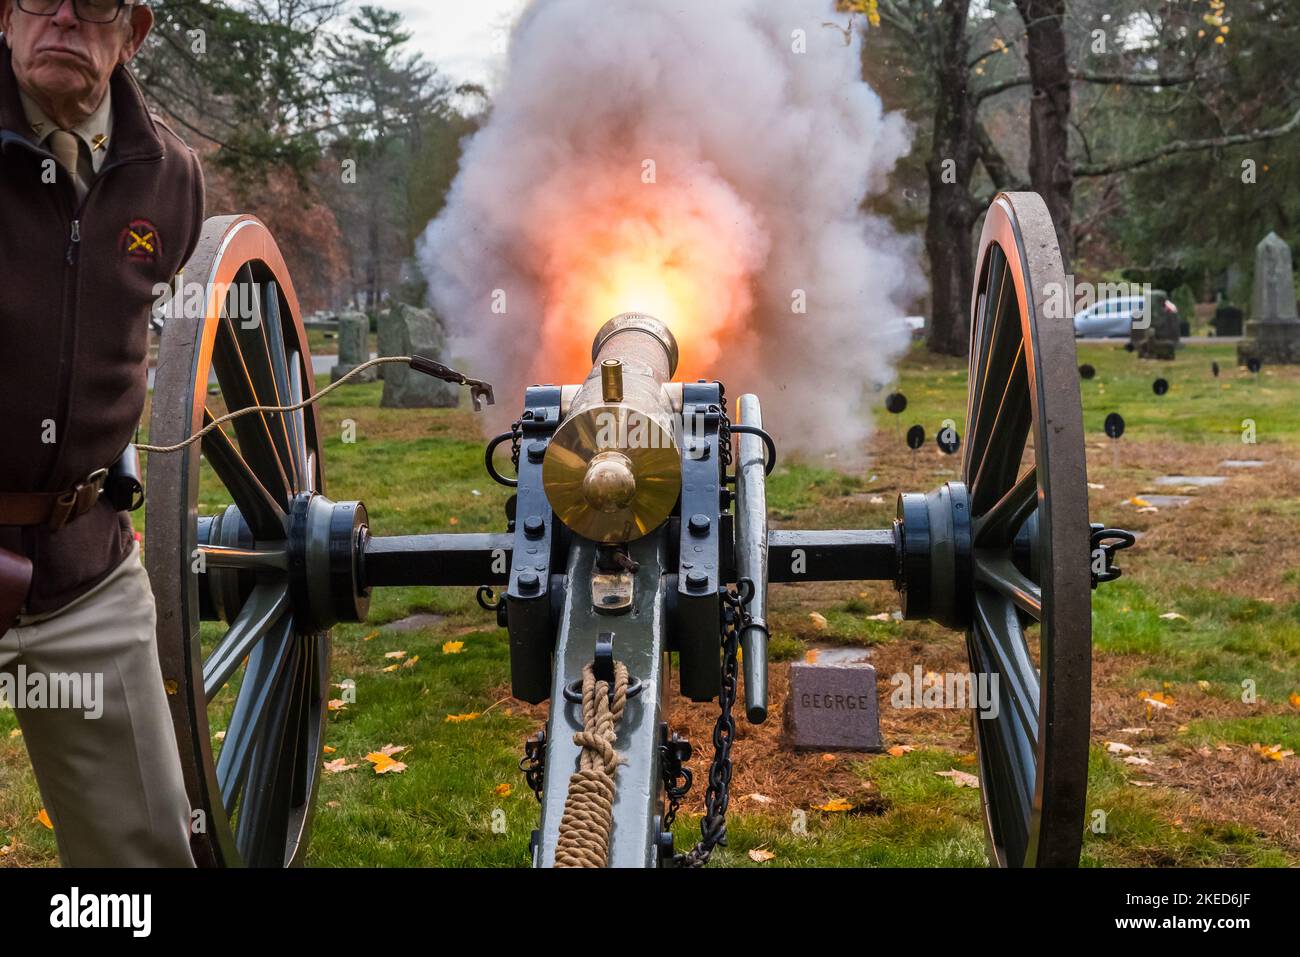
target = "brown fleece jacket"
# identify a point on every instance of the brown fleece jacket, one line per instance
(77, 284)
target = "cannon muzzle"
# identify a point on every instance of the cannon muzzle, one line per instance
(613, 471)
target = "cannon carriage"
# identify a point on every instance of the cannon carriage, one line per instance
(637, 528)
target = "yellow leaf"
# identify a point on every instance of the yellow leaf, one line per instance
(389, 668)
(502, 790)
(43, 818)
(373, 634)
(899, 750)
(394, 654)
(337, 704)
(453, 647)
(16, 733)
(387, 765)
(818, 620)
(458, 718)
(328, 750)
(1139, 502)
(410, 662)
(811, 655)
(391, 749)
(829, 758)
(760, 855)
(834, 805)
(1294, 698)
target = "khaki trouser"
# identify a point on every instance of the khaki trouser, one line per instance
(111, 784)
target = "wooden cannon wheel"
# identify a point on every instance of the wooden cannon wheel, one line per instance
(236, 654)
(1030, 616)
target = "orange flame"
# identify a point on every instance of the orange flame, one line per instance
(681, 253)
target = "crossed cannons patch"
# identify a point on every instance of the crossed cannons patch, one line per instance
(140, 240)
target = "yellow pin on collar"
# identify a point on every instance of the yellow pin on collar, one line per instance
(100, 142)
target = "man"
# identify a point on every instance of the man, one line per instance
(99, 202)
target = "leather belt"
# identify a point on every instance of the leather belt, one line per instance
(52, 509)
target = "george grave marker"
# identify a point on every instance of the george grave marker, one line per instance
(833, 707)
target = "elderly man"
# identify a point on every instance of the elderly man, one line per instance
(99, 202)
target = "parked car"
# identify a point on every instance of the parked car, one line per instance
(1113, 318)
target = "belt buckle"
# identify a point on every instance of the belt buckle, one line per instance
(77, 500)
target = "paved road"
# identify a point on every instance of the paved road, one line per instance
(1186, 340)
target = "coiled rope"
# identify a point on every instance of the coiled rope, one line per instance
(589, 807)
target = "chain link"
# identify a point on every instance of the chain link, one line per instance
(713, 829)
(516, 436)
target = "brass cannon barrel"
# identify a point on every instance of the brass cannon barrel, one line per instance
(613, 471)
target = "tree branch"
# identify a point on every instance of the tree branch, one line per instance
(1187, 146)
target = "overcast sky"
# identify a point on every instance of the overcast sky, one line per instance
(463, 38)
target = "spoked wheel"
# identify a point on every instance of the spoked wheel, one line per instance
(242, 540)
(1030, 620)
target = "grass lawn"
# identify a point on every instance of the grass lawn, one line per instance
(1208, 614)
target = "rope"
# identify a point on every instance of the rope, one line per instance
(589, 807)
(217, 423)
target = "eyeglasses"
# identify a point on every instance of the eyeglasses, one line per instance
(88, 11)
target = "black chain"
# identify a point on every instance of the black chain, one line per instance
(713, 829)
(533, 763)
(516, 436)
(724, 431)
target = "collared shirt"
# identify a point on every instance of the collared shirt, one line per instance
(94, 131)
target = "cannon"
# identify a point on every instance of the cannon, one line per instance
(638, 527)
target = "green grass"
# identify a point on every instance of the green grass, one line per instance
(419, 471)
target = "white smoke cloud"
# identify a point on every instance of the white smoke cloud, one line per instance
(765, 141)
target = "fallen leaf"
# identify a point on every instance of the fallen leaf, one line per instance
(834, 805)
(1139, 502)
(1294, 698)
(389, 668)
(960, 778)
(758, 798)
(6, 850)
(877, 500)
(388, 765)
(829, 758)
(502, 790)
(453, 647)
(1173, 616)
(760, 855)
(410, 662)
(338, 765)
(1271, 752)
(883, 616)
(1203, 685)
(1148, 510)
(394, 654)
(453, 520)
(898, 750)
(458, 718)
(818, 620)
(1135, 730)
(1117, 747)
(328, 750)
(1096, 485)
(811, 655)
(43, 817)
(389, 750)
(1135, 759)
(373, 634)
(337, 704)
(1143, 784)
(18, 732)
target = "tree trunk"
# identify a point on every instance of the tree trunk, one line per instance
(950, 166)
(1050, 170)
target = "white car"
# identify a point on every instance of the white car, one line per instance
(1113, 318)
